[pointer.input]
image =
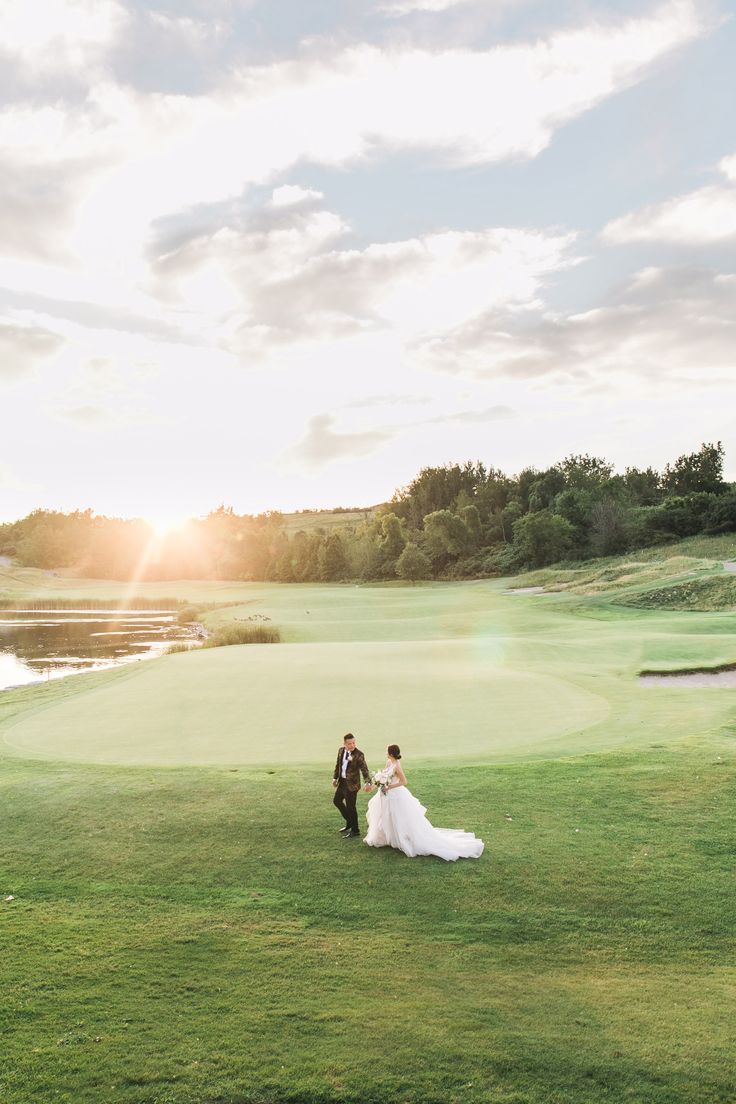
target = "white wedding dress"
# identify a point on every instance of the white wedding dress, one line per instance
(397, 819)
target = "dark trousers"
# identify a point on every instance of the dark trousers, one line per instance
(344, 800)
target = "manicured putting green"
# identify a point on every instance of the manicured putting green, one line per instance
(453, 671)
(292, 703)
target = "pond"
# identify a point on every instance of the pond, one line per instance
(36, 645)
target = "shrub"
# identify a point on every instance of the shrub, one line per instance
(539, 539)
(482, 565)
(236, 633)
(187, 615)
(412, 564)
(682, 515)
(721, 515)
(445, 536)
(609, 530)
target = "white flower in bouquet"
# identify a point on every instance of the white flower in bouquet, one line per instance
(382, 778)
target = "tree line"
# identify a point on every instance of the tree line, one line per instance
(452, 521)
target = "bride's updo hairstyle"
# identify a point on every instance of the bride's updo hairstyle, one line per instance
(394, 751)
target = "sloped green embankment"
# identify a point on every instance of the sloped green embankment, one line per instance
(713, 592)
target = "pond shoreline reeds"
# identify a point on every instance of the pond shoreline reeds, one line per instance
(41, 604)
(179, 646)
(238, 633)
(130, 605)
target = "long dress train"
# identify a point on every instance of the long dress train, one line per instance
(397, 819)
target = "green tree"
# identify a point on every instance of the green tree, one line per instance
(609, 527)
(721, 516)
(541, 539)
(304, 556)
(392, 540)
(446, 536)
(331, 561)
(584, 470)
(545, 489)
(470, 516)
(507, 517)
(412, 564)
(525, 480)
(492, 495)
(696, 471)
(644, 487)
(283, 566)
(576, 505)
(49, 538)
(682, 515)
(438, 489)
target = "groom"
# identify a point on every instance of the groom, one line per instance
(346, 780)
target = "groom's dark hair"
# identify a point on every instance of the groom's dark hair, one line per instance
(348, 736)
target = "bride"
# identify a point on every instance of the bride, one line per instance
(397, 819)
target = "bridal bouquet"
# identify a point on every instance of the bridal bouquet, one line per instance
(382, 778)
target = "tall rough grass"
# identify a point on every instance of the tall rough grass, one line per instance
(235, 633)
(188, 614)
(179, 646)
(92, 604)
(598, 576)
(715, 592)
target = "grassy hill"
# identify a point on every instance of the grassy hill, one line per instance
(309, 520)
(186, 927)
(696, 563)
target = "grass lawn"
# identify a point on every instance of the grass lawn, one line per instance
(187, 927)
(202, 935)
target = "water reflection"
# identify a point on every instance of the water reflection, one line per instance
(36, 645)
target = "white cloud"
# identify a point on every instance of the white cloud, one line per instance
(467, 106)
(54, 35)
(390, 399)
(321, 444)
(728, 167)
(23, 346)
(473, 105)
(444, 277)
(145, 236)
(278, 277)
(101, 171)
(405, 7)
(221, 268)
(103, 416)
(88, 416)
(289, 194)
(52, 157)
(497, 412)
(194, 32)
(701, 217)
(664, 326)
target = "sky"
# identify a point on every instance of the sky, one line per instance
(282, 254)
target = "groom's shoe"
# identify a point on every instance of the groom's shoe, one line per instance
(351, 835)
(344, 830)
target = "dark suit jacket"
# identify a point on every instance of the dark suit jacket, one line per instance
(356, 767)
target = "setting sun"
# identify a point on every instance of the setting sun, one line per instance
(163, 525)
